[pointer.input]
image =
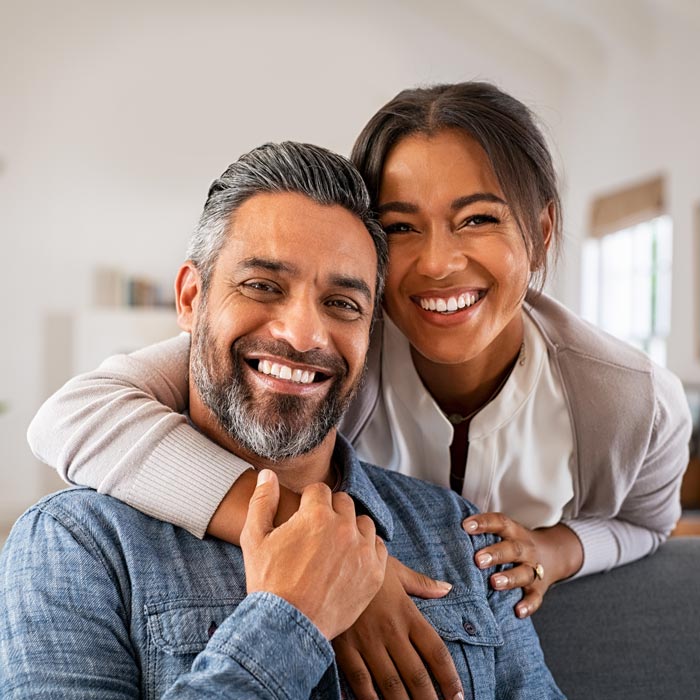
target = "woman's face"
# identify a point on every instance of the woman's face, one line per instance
(458, 266)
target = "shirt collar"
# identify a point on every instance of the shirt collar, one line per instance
(401, 378)
(356, 483)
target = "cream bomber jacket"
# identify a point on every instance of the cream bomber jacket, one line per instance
(119, 429)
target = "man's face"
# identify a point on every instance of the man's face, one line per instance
(279, 342)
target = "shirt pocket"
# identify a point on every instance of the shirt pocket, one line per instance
(177, 631)
(469, 629)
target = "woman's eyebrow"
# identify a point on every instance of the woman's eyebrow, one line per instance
(399, 207)
(408, 208)
(476, 197)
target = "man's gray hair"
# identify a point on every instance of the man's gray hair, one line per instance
(323, 176)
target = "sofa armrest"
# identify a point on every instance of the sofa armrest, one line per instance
(631, 633)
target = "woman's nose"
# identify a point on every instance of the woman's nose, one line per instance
(440, 256)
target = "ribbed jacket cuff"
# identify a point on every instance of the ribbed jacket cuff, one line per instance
(600, 548)
(172, 487)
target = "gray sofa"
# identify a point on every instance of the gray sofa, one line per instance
(632, 633)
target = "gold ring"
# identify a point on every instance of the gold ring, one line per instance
(539, 571)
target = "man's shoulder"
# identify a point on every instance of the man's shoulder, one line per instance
(86, 514)
(407, 491)
(79, 499)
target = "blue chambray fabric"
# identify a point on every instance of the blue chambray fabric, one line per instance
(98, 600)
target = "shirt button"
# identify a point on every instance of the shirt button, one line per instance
(469, 628)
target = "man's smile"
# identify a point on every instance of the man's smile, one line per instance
(286, 371)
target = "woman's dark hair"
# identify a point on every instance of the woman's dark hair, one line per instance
(506, 130)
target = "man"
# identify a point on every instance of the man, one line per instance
(279, 294)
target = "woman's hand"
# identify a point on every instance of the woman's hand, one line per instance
(540, 557)
(392, 644)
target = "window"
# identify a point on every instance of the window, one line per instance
(627, 284)
(626, 280)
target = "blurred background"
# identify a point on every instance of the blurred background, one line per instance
(115, 117)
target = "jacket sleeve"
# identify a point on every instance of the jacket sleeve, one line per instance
(65, 631)
(651, 507)
(120, 430)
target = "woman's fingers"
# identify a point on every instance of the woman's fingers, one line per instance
(387, 676)
(517, 577)
(532, 599)
(430, 646)
(418, 584)
(519, 551)
(354, 668)
(496, 523)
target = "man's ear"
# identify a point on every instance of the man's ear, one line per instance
(188, 287)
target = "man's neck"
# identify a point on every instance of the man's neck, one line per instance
(294, 473)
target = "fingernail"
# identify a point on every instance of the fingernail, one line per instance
(470, 526)
(522, 611)
(264, 476)
(499, 581)
(484, 560)
(444, 586)
(459, 696)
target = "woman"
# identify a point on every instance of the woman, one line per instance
(475, 381)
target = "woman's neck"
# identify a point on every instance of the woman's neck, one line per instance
(467, 387)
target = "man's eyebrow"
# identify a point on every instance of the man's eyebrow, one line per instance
(347, 282)
(408, 208)
(266, 264)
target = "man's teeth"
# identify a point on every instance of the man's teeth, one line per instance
(284, 372)
(451, 304)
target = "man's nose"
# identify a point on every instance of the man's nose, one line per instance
(302, 325)
(440, 255)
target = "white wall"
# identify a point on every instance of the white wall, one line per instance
(637, 118)
(114, 118)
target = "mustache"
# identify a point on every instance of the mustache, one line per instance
(326, 361)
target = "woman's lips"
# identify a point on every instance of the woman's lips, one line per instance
(448, 304)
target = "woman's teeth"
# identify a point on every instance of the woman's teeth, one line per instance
(451, 304)
(284, 372)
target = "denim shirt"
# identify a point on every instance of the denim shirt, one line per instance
(98, 600)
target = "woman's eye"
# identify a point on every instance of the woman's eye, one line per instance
(480, 220)
(398, 227)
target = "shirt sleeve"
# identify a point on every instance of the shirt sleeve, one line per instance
(63, 623)
(651, 508)
(65, 631)
(120, 430)
(521, 671)
(265, 649)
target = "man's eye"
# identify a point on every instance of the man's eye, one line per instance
(260, 287)
(344, 305)
(398, 227)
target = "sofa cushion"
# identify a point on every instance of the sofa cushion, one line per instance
(631, 633)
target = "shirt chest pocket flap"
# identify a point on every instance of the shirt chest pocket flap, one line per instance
(467, 625)
(178, 630)
(462, 617)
